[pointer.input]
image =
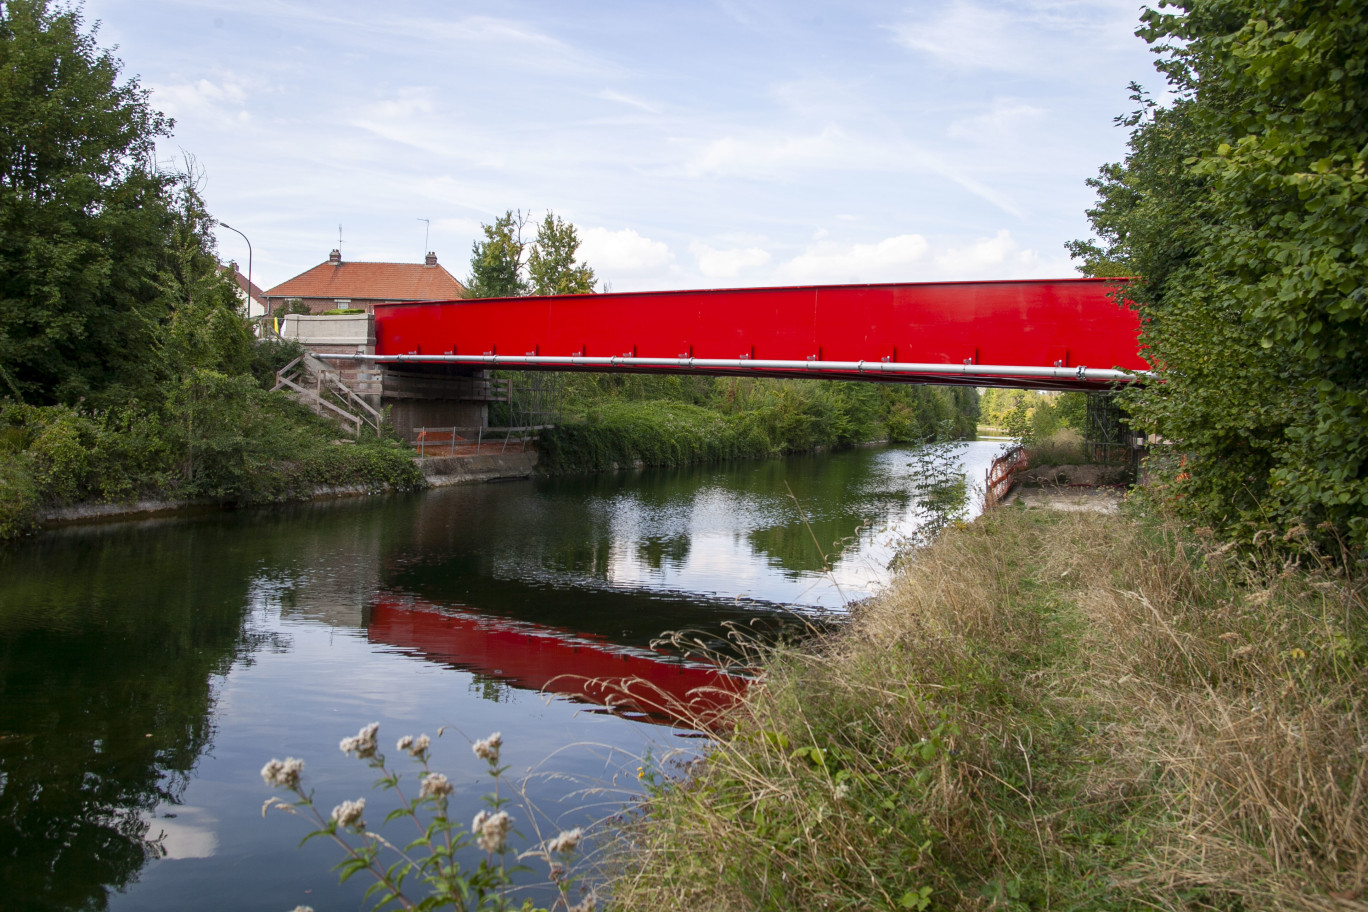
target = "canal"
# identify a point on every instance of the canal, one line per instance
(148, 670)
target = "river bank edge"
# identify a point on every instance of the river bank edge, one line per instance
(437, 471)
(1045, 709)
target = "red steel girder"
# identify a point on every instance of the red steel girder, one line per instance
(833, 331)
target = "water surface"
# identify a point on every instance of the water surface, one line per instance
(149, 669)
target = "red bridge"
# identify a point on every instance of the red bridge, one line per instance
(1036, 334)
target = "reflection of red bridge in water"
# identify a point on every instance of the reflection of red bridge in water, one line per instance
(635, 683)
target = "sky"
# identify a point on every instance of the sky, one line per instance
(697, 144)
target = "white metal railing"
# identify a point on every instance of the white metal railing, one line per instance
(984, 371)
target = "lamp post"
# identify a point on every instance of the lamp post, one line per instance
(249, 267)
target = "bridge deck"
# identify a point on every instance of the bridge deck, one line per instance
(1049, 334)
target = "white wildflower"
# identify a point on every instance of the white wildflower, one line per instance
(302, 909)
(404, 743)
(488, 748)
(283, 773)
(362, 743)
(491, 830)
(567, 841)
(348, 813)
(434, 785)
(419, 746)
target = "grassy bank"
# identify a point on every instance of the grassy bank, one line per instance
(628, 420)
(220, 438)
(1046, 710)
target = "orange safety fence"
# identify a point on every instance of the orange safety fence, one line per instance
(1002, 475)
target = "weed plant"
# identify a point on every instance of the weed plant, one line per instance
(218, 437)
(425, 870)
(1046, 710)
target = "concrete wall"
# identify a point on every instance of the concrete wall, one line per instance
(408, 415)
(343, 332)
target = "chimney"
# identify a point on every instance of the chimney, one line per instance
(335, 257)
(431, 259)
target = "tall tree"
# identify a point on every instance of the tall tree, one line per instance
(551, 267)
(1244, 204)
(497, 262)
(83, 213)
(503, 265)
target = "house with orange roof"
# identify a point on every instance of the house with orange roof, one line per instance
(335, 284)
(251, 298)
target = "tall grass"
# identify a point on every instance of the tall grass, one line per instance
(1045, 711)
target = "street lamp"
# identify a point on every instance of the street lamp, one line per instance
(249, 267)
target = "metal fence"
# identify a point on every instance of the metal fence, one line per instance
(474, 441)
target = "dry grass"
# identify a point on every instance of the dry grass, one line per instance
(1047, 711)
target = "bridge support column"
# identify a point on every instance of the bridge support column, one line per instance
(1108, 435)
(434, 399)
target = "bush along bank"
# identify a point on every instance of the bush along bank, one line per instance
(219, 438)
(1046, 710)
(615, 422)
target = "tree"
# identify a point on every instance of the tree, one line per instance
(503, 265)
(84, 215)
(1244, 204)
(496, 263)
(552, 267)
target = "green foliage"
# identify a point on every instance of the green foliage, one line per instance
(1243, 205)
(496, 263)
(1031, 415)
(617, 434)
(625, 420)
(205, 330)
(18, 496)
(84, 217)
(551, 267)
(503, 265)
(269, 356)
(290, 306)
(217, 436)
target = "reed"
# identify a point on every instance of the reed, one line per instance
(1044, 711)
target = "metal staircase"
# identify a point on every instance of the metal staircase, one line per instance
(322, 388)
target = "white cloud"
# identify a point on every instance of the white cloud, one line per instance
(727, 263)
(468, 226)
(997, 257)
(630, 100)
(202, 98)
(1004, 120)
(912, 258)
(510, 40)
(408, 101)
(767, 154)
(890, 260)
(1023, 36)
(623, 253)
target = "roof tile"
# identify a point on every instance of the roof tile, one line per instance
(371, 281)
